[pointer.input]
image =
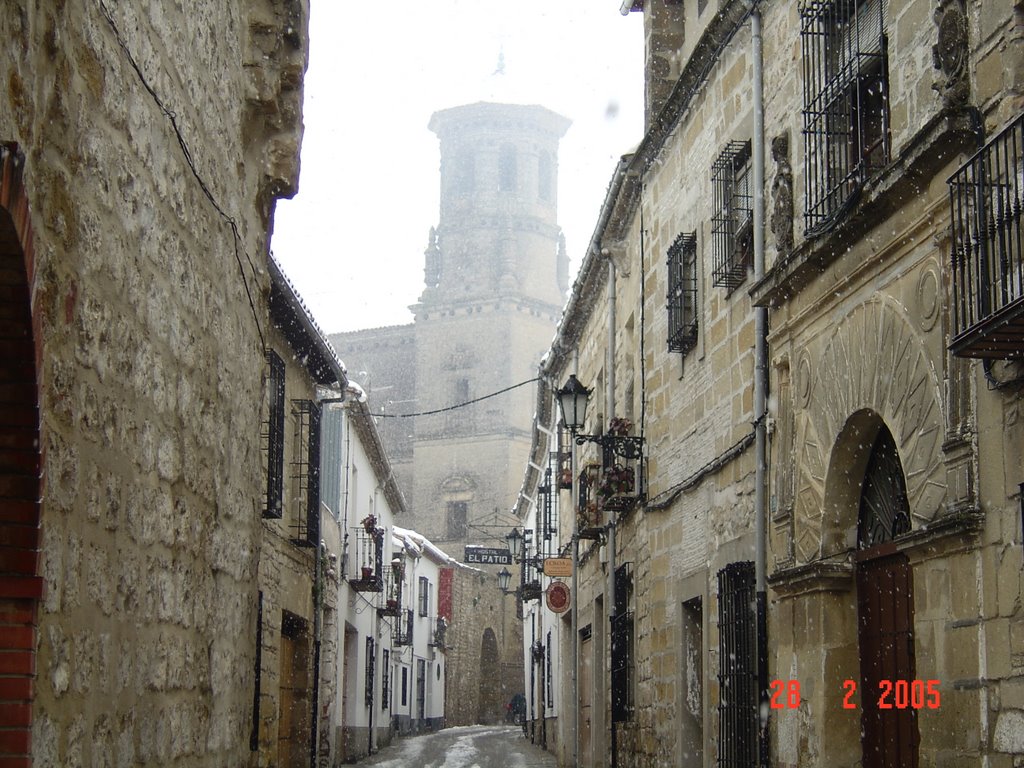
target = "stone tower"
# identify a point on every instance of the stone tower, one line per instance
(495, 274)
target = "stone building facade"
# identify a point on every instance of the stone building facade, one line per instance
(495, 272)
(886, 255)
(143, 149)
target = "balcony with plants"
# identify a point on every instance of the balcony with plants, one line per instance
(368, 556)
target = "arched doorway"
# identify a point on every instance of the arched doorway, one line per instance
(20, 457)
(489, 704)
(885, 611)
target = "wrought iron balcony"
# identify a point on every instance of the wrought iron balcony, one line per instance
(368, 559)
(392, 592)
(986, 197)
(401, 630)
(440, 634)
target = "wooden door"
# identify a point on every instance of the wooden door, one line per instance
(885, 607)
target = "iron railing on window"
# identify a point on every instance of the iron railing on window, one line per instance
(371, 658)
(439, 634)
(272, 437)
(986, 198)
(846, 112)
(682, 293)
(306, 473)
(732, 217)
(737, 673)
(402, 629)
(385, 679)
(622, 651)
(394, 579)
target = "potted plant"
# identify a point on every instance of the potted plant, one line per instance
(620, 426)
(370, 523)
(615, 481)
(367, 573)
(565, 479)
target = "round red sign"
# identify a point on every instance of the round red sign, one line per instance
(558, 597)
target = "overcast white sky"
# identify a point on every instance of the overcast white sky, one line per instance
(352, 240)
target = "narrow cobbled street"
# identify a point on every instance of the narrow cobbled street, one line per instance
(474, 746)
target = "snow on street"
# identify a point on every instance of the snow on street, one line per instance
(474, 746)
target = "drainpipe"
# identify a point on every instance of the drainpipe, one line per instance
(318, 600)
(610, 521)
(760, 393)
(574, 608)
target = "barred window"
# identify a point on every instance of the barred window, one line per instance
(385, 679)
(732, 221)
(622, 646)
(371, 653)
(507, 168)
(306, 473)
(846, 104)
(737, 675)
(272, 437)
(682, 293)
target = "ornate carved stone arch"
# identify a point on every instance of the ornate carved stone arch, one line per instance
(20, 454)
(871, 369)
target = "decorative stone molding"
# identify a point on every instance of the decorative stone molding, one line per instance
(873, 362)
(951, 52)
(782, 195)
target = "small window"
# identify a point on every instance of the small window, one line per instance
(272, 437)
(544, 176)
(424, 596)
(507, 169)
(682, 293)
(465, 174)
(405, 686)
(458, 519)
(385, 679)
(732, 219)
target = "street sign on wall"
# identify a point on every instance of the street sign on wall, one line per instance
(487, 556)
(558, 566)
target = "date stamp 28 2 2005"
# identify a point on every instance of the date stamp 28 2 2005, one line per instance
(892, 694)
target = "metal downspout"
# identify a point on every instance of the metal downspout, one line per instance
(610, 520)
(575, 618)
(760, 392)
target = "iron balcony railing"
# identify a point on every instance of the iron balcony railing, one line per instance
(987, 259)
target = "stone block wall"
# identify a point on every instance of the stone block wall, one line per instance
(148, 290)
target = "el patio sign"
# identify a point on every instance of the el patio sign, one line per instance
(487, 556)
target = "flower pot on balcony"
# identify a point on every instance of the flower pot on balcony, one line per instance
(367, 573)
(392, 605)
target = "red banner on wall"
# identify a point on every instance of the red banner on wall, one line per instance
(444, 594)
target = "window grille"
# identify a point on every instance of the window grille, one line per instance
(371, 652)
(385, 679)
(306, 473)
(401, 631)
(737, 675)
(846, 111)
(622, 646)
(682, 293)
(548, 496)
(405, 686)
(272, 437)
(986, 197)
(732, 219)
(548, 673)
(254, 733)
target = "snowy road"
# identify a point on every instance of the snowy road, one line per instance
(474, 746)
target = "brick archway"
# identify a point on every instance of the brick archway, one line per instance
(20, 465)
